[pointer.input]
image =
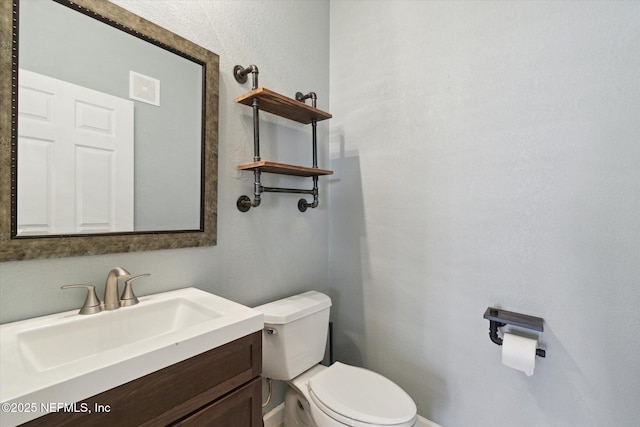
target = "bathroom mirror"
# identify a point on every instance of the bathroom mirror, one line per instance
(135, 168)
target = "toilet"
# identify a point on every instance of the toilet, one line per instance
(293, 344)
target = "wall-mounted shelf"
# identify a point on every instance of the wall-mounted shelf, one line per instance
(261, 98)
(283, 106)
(283, 169)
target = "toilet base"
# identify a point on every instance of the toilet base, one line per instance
(297, 412)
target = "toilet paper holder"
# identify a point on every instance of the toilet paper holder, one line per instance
(498, 317)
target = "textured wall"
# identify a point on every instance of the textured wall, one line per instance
(485, 153)
(488, 153)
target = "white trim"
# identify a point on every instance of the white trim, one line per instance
(423, 423)
(275, 417)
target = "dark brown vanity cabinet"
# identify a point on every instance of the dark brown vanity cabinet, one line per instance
(218, 388)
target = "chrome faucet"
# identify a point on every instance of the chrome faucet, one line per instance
(111, 299)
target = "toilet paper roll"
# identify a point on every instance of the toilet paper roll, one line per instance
(519, 353)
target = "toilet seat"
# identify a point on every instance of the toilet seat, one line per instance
(359, 397)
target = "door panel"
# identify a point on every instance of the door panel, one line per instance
(88, 166)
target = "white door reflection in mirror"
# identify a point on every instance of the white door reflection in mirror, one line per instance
(75, 159)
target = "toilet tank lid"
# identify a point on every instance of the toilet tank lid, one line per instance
(294, 307)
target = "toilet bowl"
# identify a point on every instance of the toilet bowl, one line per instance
(294, 340)
(343, 395)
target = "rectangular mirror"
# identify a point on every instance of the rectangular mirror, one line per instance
(109, 131)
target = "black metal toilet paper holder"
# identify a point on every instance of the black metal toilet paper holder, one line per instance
(498, 318)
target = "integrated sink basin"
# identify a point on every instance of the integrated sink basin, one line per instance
(74, 338)
(67, 357)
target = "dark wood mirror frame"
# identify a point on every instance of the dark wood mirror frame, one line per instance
(11, 248)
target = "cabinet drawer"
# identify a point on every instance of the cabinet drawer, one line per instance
(242, 408)
(173, 392)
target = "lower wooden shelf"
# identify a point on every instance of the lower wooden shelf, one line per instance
(284, 169)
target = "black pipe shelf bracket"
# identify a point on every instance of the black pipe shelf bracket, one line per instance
(498, 318)
(261, 98)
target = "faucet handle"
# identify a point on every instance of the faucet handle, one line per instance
(128, 297)
(92, 303)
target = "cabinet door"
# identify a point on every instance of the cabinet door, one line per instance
(242, 408)
(172, 393)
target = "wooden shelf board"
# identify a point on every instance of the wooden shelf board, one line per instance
(283, 106)
(283, 168)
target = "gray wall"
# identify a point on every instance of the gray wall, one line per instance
(485, 154)
(488, 153)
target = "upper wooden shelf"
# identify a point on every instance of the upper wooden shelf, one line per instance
(283, 106)
(284, 169)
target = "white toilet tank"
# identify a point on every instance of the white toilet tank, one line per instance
(295, 334)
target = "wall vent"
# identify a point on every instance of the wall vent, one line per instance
(144, 88)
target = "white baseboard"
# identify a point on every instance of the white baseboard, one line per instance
(423, 422)
(275, 417)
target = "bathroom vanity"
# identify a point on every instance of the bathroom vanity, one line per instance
(184, 357)
(221, 387)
